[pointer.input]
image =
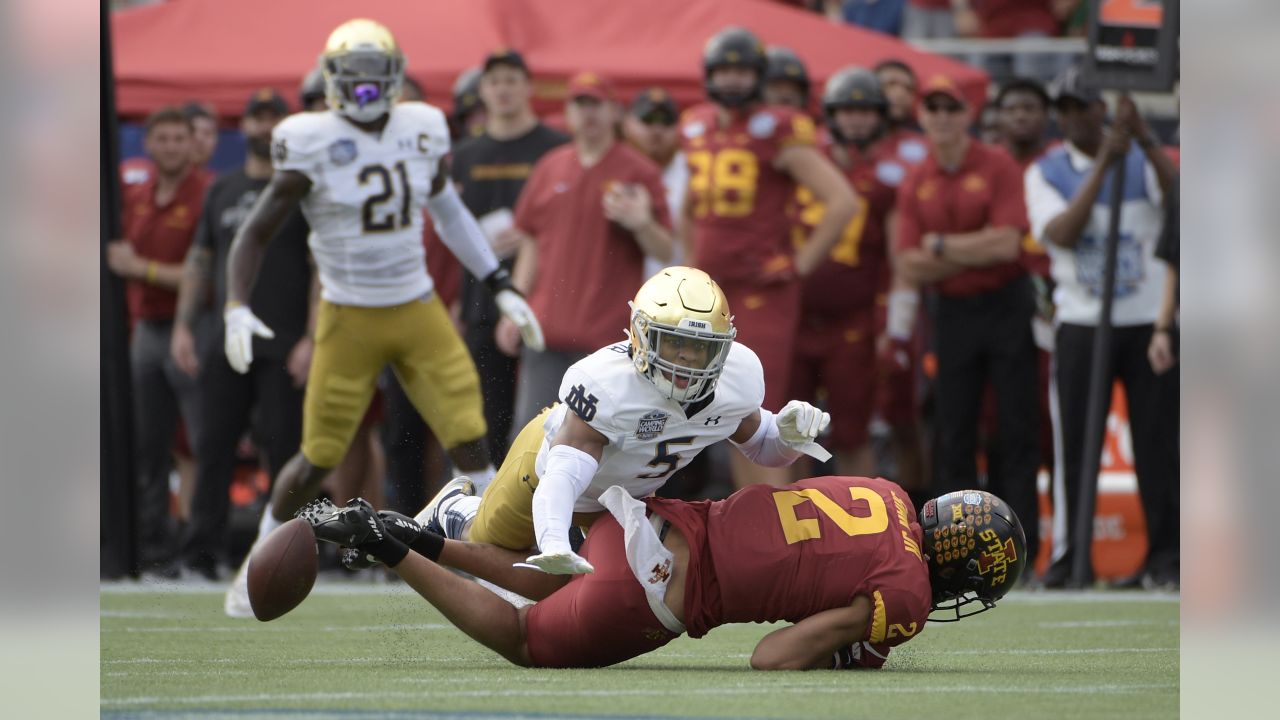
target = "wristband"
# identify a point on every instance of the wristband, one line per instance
(389, 550)
(153, 268)
(499, 280)
(429, 545)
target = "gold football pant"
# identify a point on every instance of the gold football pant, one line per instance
(505, 517)
(353, 344)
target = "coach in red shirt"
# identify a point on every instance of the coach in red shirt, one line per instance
(961, 219)
(159, 220)
(590, 213)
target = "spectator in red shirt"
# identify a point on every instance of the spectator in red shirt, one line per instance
(160, 217)
(961, 219)
(590, 213)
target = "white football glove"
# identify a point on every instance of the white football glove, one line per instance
(241, 326)
(799, 425)
(565, 563)
(514, 307)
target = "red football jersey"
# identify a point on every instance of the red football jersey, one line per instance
(737, 198)
(851, 275)
(766, 554)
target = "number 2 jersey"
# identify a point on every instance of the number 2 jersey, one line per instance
(737, 198)
(367, 197)
(766, 554)
(650, 435)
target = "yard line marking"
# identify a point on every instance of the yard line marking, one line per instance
(176, 673)
(737, 689)
(1104, 623)
(1045, 651)
(140, 614)
(261, 629)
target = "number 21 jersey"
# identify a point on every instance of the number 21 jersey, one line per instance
(366, 201)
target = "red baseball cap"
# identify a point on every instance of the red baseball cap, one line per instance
(589, 84)
(942, 85)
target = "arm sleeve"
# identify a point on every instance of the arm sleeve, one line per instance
(765, 447)
(1043, 202)
(568, 474)
(1009, 208)
(461, 233)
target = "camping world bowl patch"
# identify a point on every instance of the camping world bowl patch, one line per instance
(651, 425)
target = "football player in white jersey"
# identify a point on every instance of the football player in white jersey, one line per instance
(363, 171)
(631, 414)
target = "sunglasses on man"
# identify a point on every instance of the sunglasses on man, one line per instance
(939, 107)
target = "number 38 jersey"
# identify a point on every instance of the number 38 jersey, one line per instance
(650, 436)
(737, 198)
(366, 201)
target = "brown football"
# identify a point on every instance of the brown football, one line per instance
(282, 570)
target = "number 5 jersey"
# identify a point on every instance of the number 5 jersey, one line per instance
(366, 201)
(650, 435)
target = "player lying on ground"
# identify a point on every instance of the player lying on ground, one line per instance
(843, 558)
(631, 414)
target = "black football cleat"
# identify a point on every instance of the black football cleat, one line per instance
(401, 527)
(350, 526)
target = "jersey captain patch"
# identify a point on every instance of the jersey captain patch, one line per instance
(651, 425)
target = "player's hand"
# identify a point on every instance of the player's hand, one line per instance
(1160, 352)
(893, 355)
(565, 563)
(182, 348)
(241, 327)
(800, 423)
(299, 361)
(507, 337)
(513, 306)
(629, 205)
(123, 261)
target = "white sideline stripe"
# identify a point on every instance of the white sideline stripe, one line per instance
(324, 586)
(175, 673)
(139, 614)
(739, 689)
(1044, 651)
(1104, 623)
(259, 628)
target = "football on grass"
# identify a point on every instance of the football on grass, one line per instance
(282, 570)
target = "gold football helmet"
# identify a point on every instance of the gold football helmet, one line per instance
(681, 332)
(363, 70)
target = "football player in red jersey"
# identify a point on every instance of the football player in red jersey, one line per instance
(745, 160)
(842, 558)
(839, 319)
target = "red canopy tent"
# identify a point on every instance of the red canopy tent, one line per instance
(223, 50)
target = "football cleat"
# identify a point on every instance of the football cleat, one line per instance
(436, 518)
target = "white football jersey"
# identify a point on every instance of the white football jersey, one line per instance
(367, 197)
(650, 436)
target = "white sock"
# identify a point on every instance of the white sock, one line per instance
(266, 524)
(482, 478)
(466, 506)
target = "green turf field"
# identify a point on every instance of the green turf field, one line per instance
(369, 651)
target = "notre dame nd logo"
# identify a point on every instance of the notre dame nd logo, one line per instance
(581, 403)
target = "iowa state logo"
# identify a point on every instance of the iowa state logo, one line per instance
(651, 425)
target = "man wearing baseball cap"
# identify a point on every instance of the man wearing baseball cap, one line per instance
(651, 127)
(1068, 201)
(961, 220)
(490, 170)
(274, 382)
(590, 213)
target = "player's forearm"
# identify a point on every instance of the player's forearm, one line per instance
(988, 246)
(495, 564)
(655, 240)
(193, 291)
(243, 263)
(827, 233)
(461, 233)
(1065, 229)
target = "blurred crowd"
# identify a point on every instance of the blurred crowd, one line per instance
(949, 329)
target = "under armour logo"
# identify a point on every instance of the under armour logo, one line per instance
(581, 403)
(712, 420)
